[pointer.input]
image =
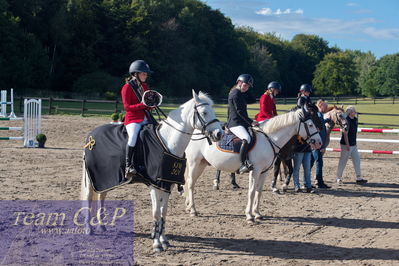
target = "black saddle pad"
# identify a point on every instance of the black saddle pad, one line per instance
(105, 158)
(232, 143)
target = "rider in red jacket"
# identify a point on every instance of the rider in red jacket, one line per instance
(135, 109)
(268, 103)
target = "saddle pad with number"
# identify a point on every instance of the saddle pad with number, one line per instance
(232, 143)
(105, 159)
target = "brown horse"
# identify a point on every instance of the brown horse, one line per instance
(335, 116)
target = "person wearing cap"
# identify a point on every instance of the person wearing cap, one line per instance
(349, 147)
(135, 116)
(304, 95)
(267, 102)
(238, 119)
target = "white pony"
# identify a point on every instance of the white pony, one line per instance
(175, 132)
(279, 130)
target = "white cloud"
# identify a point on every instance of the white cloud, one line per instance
(388, 34)
(289, 26)
(352, 4)
(362, 11)
(268, 11)
(264, 11)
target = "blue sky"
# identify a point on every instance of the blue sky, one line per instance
(366, 25)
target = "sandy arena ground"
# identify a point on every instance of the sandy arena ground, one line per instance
(347, 225)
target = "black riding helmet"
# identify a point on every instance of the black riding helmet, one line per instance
(139, 66)
(274, 85)
(306, 87)
(246, 78)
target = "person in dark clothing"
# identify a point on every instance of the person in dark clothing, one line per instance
(238, 119)
(317, 155)
(304, 95)
(349, 147)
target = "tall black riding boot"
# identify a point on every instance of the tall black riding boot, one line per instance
(246, 166)
(130, 170)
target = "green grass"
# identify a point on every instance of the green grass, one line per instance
(384, 106)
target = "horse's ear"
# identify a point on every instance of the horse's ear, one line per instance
(342, 106)
(195, 97)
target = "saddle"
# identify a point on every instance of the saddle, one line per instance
(231, 143)
(105, 159)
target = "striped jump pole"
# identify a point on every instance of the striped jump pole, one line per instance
(372, 140)
(11, 118)
(373, 130)
(11, 138)
(11, 128)
(366, 151)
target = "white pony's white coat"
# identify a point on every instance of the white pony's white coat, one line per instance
(280, 129)
(176, 141)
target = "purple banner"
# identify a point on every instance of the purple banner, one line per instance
(66, 233)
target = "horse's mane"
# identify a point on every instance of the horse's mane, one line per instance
(205, 97)
(280, 121)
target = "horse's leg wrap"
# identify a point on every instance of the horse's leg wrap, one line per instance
(157, 231)
(158, 228)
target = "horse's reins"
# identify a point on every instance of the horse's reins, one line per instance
(273, 145)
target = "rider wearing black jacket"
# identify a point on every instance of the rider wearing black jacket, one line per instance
(238, 119)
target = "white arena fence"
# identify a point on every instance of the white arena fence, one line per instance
(32, 123)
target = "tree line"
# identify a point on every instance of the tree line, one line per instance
(86, 47)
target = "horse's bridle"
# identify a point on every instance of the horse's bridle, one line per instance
(309, 137)
(202, 121)
(339, 121)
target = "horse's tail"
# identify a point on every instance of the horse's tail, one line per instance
(85, 182)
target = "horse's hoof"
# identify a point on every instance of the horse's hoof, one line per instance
(158, 249)
(193, 214)
(260, 218)
(250, 220)
(236, 186)
(215, 187)
(166, 245)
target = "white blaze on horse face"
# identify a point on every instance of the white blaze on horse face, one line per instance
(315, 139)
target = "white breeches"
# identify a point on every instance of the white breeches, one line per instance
(241, 132)
(133, 130)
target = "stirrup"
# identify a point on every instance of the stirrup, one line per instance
(246, 168)
(130, 172)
